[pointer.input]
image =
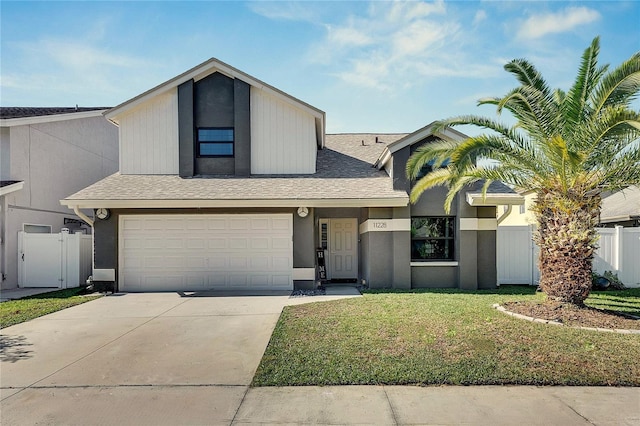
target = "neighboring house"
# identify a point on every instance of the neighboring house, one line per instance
(227, 182)
(45, 155)
(621, 208)
(518, 215)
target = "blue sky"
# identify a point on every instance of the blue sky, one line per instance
(371, 66)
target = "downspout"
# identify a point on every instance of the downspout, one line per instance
(82, 216)
(506, 213)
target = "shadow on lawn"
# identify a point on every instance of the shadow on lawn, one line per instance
(519, 290)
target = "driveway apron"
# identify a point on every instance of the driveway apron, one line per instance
(159, 358)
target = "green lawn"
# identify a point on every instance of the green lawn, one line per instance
(17, 311)
(444, 337)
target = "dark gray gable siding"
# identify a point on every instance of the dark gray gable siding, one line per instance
(215, 101)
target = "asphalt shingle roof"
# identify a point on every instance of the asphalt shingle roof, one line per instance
(22, 112)
(344, 171)
(620, 205)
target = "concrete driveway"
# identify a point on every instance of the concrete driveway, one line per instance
(153, 358)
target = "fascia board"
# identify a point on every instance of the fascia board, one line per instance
(417, 136)
(24, 121)
(617, 218)
(478, 199)
(11, 188)
(122, 204)
(201, 71)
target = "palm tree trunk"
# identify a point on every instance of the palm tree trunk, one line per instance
(567, 239)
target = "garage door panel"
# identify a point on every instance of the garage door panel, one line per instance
(281, 243)
(217, 243)
(192, 252)
(260, 243)
(260, 224)
(219, 224)
(196, 243)
(238, 243)
(239, 224)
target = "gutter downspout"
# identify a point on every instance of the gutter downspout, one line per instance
(506, 213)
(82, 216)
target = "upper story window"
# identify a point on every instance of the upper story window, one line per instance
(215, 142)
(432, 238)
(428, 167)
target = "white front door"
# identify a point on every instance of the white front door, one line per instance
(343, 249)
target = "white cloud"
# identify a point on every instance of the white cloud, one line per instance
(347, 36)
(72, 66)
(480, 16)
(284, 10)
(395, 44)
(537, 26)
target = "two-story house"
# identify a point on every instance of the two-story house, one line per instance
(226, 182)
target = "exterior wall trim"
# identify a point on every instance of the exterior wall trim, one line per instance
(304, 274)
(475, 224)
(421, 264)
(104, 275)
(385, 225)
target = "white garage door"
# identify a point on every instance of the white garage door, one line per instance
(200, 252)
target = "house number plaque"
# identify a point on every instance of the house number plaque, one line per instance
(380, 224)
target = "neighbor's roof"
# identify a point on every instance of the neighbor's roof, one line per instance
(21, 112)
(497, 194)
(20, 116)
(621, 206)
(345, 177)
(9, 186)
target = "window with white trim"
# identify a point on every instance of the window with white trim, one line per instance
(432, 238)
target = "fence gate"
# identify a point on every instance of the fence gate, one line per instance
(53, 260)
(517, 256)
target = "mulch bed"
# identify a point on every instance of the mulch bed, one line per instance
(573, 316)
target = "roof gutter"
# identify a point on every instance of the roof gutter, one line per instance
(479, 200)
(150, 204)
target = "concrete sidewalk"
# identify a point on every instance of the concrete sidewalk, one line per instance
(19, 293)
(331, 405)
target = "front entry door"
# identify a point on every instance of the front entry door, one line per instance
(343, 249)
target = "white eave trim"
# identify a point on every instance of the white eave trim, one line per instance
(11, 188)
(478, 199)
(447, 134)
(157, 204)
(25, 121)
(203, 70)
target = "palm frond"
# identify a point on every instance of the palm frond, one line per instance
(576, 101)
(618, 87)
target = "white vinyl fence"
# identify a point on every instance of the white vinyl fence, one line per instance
(517, 255)
(53, 260)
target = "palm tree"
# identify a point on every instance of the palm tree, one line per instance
(568, 147)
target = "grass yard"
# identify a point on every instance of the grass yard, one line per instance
(17, 311)
(445, 337)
